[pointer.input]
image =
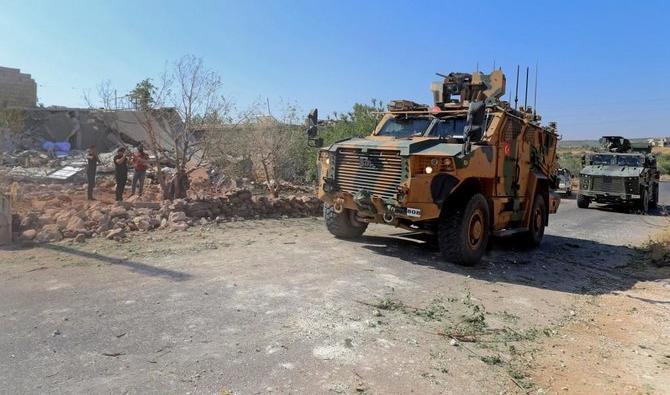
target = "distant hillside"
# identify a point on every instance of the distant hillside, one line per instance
(592, 143)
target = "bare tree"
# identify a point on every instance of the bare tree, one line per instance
(273, 139)
(106, 96)
(194, 93)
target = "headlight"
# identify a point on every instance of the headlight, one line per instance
(424, 165)
(328, 161)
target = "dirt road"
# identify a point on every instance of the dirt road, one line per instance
(281, 306)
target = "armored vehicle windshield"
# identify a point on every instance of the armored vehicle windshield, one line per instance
(617, 160)
(602, 159)
(429, 126)
(405, 127)
(629, 160)
(448, 127)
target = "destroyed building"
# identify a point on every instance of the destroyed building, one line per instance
(83, 127)
(17, 89)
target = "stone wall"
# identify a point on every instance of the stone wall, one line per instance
(5, 220)
(17, 89)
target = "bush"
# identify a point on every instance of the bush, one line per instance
(571, 161)
(663, 163)
(361, 121)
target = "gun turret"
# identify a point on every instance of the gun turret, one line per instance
(616, 144)
(469, 88)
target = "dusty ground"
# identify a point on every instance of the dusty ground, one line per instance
(280, 306)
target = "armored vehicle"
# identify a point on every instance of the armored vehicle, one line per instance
(620, 173)
(468, 167)
(564, 181)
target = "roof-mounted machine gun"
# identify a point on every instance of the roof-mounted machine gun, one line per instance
(616, 144)
(469, 88)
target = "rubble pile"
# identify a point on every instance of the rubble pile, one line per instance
(54, 217)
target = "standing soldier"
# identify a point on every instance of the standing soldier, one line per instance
(121, 172)
(91, 168)
(140, 163)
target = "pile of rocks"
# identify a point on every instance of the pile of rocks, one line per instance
(79, 221)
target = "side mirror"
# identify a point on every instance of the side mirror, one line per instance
(312, 129)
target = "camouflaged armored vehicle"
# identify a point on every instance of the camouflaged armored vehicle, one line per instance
(622, 173)
(466, 168)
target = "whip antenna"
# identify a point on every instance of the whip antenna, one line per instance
(525, 98)
(516, 92)
(535, 95)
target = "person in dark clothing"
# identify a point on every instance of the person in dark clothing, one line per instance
(92, 161)
(140, 163)
(121, 172)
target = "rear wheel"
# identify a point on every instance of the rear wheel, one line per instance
(343, 224)
(653, 203)
(643, 204)
(583, 201)
(463, 232)
(537, 223)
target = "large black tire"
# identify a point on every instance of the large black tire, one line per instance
(538, 220)
(583, 201)
(643, 203)
(653, 203)
(464, 231)
(342, 224)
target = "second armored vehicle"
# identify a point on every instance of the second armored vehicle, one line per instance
(466, 168)
(564, 181)
(622, 173)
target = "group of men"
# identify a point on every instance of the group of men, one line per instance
(139, 160)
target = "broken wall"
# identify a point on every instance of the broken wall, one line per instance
(17, 89)
(84, 127)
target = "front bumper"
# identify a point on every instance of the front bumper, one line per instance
(564, 189)
(375, 209)
(609, 197)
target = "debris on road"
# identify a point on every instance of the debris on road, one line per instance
(53, 212)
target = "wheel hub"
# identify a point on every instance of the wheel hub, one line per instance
(475, 229)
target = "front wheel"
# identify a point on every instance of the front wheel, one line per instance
(463, 232)
(583, 201)
(643, 204)
(343, 224)
(538, 216)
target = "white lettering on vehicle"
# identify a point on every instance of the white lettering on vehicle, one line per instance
(413, 212)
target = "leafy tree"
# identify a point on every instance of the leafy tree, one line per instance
(142, 97)
(359, 122)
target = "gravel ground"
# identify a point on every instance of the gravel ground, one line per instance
(281, 306)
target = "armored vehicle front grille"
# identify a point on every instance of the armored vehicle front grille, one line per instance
(377, 171)
(609, 184)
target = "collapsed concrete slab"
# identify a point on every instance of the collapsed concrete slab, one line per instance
(82, 128)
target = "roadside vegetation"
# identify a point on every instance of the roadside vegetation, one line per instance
(496, 339)
(260, 143)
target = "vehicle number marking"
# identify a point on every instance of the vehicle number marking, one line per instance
(413, 212)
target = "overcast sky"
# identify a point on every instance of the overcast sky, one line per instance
(603, 66)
